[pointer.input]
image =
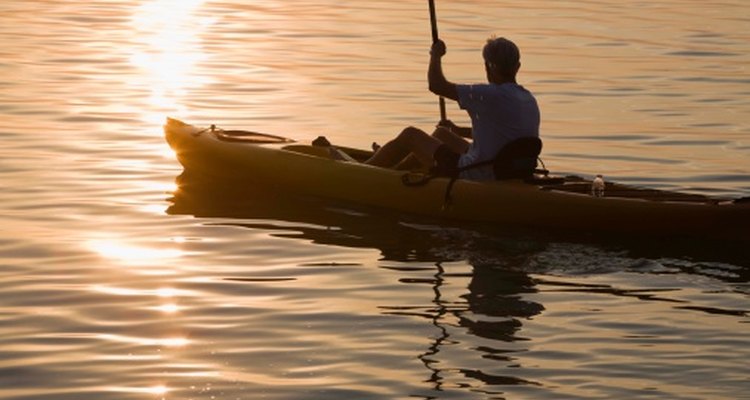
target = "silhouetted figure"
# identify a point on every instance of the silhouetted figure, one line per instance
(500, 110)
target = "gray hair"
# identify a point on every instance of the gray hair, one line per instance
(501, 55)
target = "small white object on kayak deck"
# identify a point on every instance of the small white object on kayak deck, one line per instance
(597, 186)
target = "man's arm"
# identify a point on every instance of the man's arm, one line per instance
(462, 131)
(435, 77)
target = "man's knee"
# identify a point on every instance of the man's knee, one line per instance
(410, 134)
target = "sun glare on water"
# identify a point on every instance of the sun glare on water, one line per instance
(158, 390)
(130, 254)
(168, 49)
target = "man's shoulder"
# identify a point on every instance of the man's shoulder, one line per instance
(477, 91)
(492, 95)
(508, 87)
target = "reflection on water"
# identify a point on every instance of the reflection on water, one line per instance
(484, 336)
(167, 49)
(494, 310)
(117, 251)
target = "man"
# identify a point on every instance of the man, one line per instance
(500, 110)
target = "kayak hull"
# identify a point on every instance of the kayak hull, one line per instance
(310, 170)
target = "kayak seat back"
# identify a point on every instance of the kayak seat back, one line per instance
(517, 159)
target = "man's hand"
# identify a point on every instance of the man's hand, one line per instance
(462, 131)
(448, 124)
(438, 48)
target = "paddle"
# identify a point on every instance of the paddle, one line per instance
(433, 22)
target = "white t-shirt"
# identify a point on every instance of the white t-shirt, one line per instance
(499, 114)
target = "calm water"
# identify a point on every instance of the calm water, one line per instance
(114, 285)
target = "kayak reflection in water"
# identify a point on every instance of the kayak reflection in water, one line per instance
(500, 110)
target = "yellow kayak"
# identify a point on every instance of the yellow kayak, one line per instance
(249, 158)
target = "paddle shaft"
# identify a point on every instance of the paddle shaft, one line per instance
(433, 22)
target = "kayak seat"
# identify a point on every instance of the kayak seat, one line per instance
(517, 159)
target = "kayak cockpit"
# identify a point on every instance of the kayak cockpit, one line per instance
(325, 151)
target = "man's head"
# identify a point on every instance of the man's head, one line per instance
(502, 60)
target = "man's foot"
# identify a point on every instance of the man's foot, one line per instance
(321, 141)
(338, 154)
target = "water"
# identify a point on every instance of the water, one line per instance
(116, 286)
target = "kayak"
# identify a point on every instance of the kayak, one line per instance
(247, 158)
